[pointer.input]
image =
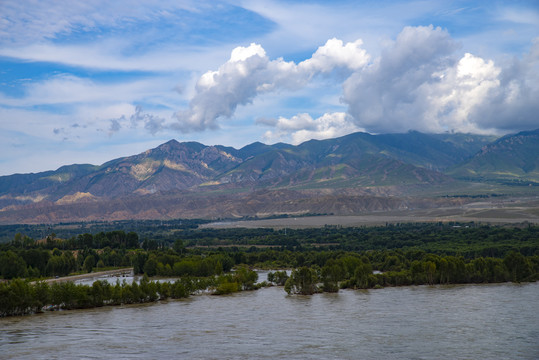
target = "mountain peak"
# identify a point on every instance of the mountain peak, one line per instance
(171, 142)
(173, 146)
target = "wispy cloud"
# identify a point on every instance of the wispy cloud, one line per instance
(53, 20)
(70, 89)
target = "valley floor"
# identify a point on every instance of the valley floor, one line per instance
(507, 211)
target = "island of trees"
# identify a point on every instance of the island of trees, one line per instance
(222, 261)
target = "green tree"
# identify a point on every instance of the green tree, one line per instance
(41, 295)
(12, 265)
(302, 281)
(245, 278)
(362, 273)
(150, 267)
(89, 263)
(138, 262)
(278, 277)
(37, 258)
(430, 269)
(518, 266)
(178, 246)
(332, 273)
(132, 240)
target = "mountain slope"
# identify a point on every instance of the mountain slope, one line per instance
(30, 188)
(510, 158)
(357, 159)
(172, 165)
(353, 173)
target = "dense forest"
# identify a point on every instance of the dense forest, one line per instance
(221, 261)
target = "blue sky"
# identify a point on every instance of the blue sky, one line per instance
(89, 81)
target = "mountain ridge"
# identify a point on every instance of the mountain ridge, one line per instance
(323, 172)
(512, 158)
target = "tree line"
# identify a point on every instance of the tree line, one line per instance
(356, 272)
(20, 297)
(23, 258)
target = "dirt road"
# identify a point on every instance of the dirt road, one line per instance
(124, 271)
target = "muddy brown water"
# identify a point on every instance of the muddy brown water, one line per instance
(498, 321)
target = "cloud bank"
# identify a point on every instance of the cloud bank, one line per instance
(419, 82)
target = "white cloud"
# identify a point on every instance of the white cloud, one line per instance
(152, 123)
(335, 54)
(513, 105)
(303, 127)
(387, 95)
(218, 93)
(418, 83)
(249, 72)
(462, 88)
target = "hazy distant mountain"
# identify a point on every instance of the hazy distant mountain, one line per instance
(188, 178)
(512, 158)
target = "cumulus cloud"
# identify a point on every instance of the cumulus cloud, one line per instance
(390, 95)
(512, 104)
(460, 90)
(336, 54)
(303, 127)
(249, 72)
(418, 83)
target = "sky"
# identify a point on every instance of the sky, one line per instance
(90, 81)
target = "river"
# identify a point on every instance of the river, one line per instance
(498, 321)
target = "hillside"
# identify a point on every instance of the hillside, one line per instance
(512, 158)
(346, 175)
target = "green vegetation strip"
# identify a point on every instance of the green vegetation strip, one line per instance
(325, 259)
(19, 297)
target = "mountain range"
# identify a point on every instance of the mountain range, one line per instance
(346, 175)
